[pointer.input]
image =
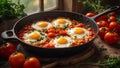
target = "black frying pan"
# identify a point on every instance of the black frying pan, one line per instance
(54, 52)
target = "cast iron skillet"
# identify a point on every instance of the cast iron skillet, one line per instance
(54, 52)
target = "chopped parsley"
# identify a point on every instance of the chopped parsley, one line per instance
(66, 26)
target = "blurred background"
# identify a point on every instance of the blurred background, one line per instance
(82, 6)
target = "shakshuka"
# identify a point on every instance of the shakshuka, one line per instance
(59, 32)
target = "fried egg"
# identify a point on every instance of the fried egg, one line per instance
(78, 32)
(61, 22)
(33, 37)
(62, 41)
(41, 25)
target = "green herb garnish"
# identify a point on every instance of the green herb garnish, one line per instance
(66, 26)
(110, 62)
(75, 36)
(44, 29)
(10, 10)
(40, 39)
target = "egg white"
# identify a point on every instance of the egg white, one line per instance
(79, 36)
(29, 40)
(56, 24)
(35, 26)
(57, 45)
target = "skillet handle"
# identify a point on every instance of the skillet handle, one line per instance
(7, 35)
(114, 8)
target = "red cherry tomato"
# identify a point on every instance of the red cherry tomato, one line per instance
(16, 60)
(112, 18)
(103, 23)
(58, 30)
(111, 37)
(63, 32)
(51, 30)
(90, 14)
(51, 35)
(103, 17)
(103, 31)
(113, 26)
(80, 25)
(112, 14)
(71, 26)
(7, 49)
(91, 33)
(32, 62)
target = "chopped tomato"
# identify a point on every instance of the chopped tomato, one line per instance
(91, 33)
(80, 25)
(71, 26)
(58, 30)
(51, 35)
(63, 32)
(51, 30)
(49, 46)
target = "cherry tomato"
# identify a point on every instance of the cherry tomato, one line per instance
(113, 26)
(112, 14)
(71, 26)
(49, 46)
(7, 49)
(16, 60)
(51, 30)
(90, 14)
(103, 23)
(51, 35)
(63, 32)
(103, 17)
(91, 33)
(32, 62)
(58, 30)
(112, 18)
(89, 29)
(111, 37)
(80, 25)
(103, 31)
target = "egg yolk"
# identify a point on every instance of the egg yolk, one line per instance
(61, 21)
(78, 31)
(43, 24)
(62, 40)
(34, 35)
